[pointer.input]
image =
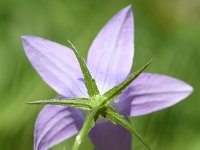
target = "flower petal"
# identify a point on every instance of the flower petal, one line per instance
(107, 136)
(54, 125)
(111, 53)
(56, 64)
(152, 92)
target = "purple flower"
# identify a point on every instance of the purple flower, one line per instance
(109, 61)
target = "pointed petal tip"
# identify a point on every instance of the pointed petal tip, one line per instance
(25, 41)
(29, 38)
(190, 88)
(148, 96)
(187, 88)
(115, 39)
(25, 37)
(128, 9)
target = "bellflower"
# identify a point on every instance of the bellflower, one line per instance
(109, 61)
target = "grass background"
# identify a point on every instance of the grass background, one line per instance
(166, 31)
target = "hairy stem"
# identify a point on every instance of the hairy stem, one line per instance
(87, 126)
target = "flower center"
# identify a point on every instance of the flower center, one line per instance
(97, 101)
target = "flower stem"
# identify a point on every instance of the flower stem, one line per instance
(87, 126)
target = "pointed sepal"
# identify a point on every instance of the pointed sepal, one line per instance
(117, 118)
(116, 91)
(89, 81)
(82, 103)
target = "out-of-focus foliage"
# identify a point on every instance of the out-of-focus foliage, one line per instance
(166, 31)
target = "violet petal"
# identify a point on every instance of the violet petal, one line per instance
(56, 64)
(55, 124)
(111, 53)
(152, 92)
(107, 136)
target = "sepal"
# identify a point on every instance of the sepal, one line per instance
(116, 91)
(82, 103)
(117, 118)
(89, 81)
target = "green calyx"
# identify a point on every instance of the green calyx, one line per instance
(96, 104)
(97, 101)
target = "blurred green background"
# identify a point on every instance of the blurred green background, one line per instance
(166, 31)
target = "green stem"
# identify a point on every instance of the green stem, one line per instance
(87, 126)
